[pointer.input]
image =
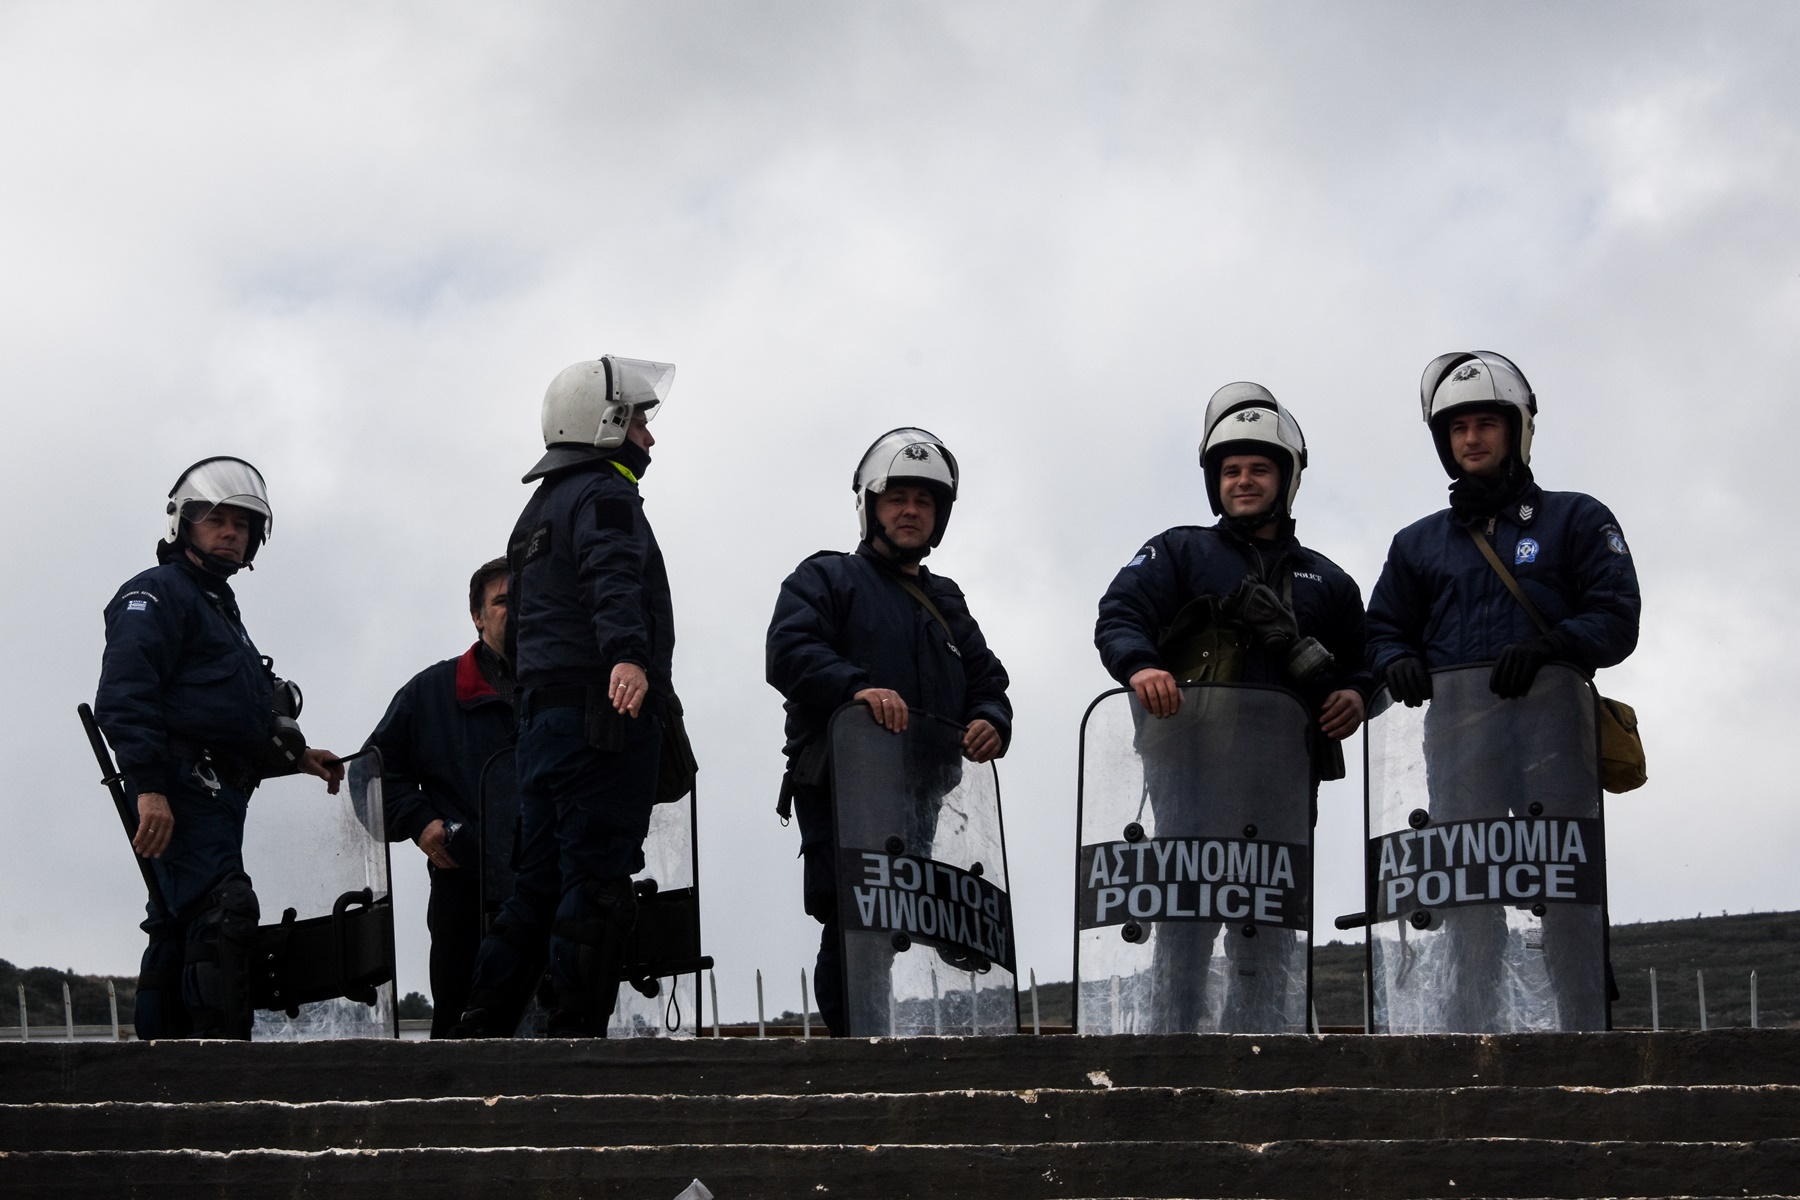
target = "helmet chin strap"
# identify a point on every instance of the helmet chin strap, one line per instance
(213, 564)
(898, 553)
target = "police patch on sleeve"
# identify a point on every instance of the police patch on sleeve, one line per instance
(613, 513)
(1615, 541)
(1527, 551)
(1148, 552)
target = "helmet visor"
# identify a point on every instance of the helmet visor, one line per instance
(216, 481)
(642, 384)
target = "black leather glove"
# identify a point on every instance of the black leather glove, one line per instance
(1408, 681)
(1518, 666)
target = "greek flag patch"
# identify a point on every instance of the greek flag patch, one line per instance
(137, 606)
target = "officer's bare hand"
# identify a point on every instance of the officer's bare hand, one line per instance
(981, 742)
(156, 825)
(1342, 713)
(886, 706)
(432, 841)
(1157, 692)
(325, 765)
(628, 688)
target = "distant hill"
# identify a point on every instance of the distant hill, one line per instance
(1726, 948)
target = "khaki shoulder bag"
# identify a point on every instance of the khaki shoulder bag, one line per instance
(1622, 767)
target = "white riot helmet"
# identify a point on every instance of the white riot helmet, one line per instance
(1477, 379)
(1245, 418)
(208, 484)
(592, 403)
(905, 455)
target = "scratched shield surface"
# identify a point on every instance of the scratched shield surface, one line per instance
(1193, 884)
(1486, 877)
(922, 881)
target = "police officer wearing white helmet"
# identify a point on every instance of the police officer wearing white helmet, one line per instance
(591, 634)
(1241, 600)
(877, 626)
(1440, 603)
(197, 718)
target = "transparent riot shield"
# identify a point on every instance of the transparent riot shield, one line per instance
(320, 867)
(1193, 886)
(922, 882)
(1486, 877)
(661, 996)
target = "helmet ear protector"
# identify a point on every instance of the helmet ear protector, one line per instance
(905, 455)
(1477, 379)
(1245, 418)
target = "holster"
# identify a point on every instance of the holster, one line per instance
(810, 767)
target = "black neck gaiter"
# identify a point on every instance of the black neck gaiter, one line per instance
(632, 457)
(1476, 498)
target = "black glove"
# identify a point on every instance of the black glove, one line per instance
(1408, 681)
(1518, 666)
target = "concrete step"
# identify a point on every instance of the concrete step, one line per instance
(1649, 1114)
(74, 1072)
(1377, 1170)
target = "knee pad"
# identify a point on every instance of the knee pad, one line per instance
(592, 941)
(158, 1011)
(221, 957)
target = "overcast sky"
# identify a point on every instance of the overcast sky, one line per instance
(352, 243)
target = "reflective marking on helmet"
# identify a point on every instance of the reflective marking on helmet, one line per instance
(1471, 371)
(1527, 551)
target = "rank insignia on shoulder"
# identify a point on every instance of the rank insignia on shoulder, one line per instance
(1526, 512)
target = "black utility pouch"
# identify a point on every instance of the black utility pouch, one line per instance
(603, 726)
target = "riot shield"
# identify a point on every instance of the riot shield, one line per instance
(1193, 886)
(1486, 874)
(665, 950)
(320, 867)
(922, 884)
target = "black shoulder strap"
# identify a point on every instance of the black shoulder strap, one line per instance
(1512, 585)
(918, 593)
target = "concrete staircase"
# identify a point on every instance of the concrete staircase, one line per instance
(1595, 1115)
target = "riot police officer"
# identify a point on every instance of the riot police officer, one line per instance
(435, 738)
(1445, 600)
(1241, 600)
(197, 720)
(877, 626)
(592, 636)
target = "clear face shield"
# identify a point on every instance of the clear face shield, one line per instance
(229, 482)
(638, 388)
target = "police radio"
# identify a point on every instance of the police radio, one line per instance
(285, 747)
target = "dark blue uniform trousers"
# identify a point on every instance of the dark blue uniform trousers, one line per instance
(207, 845)
(583, 816)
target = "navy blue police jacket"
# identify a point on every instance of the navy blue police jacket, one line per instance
(844, 623)
(437, 734)
(179, 665)
(1439, 599)
(588, 588)
(1182, 564)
